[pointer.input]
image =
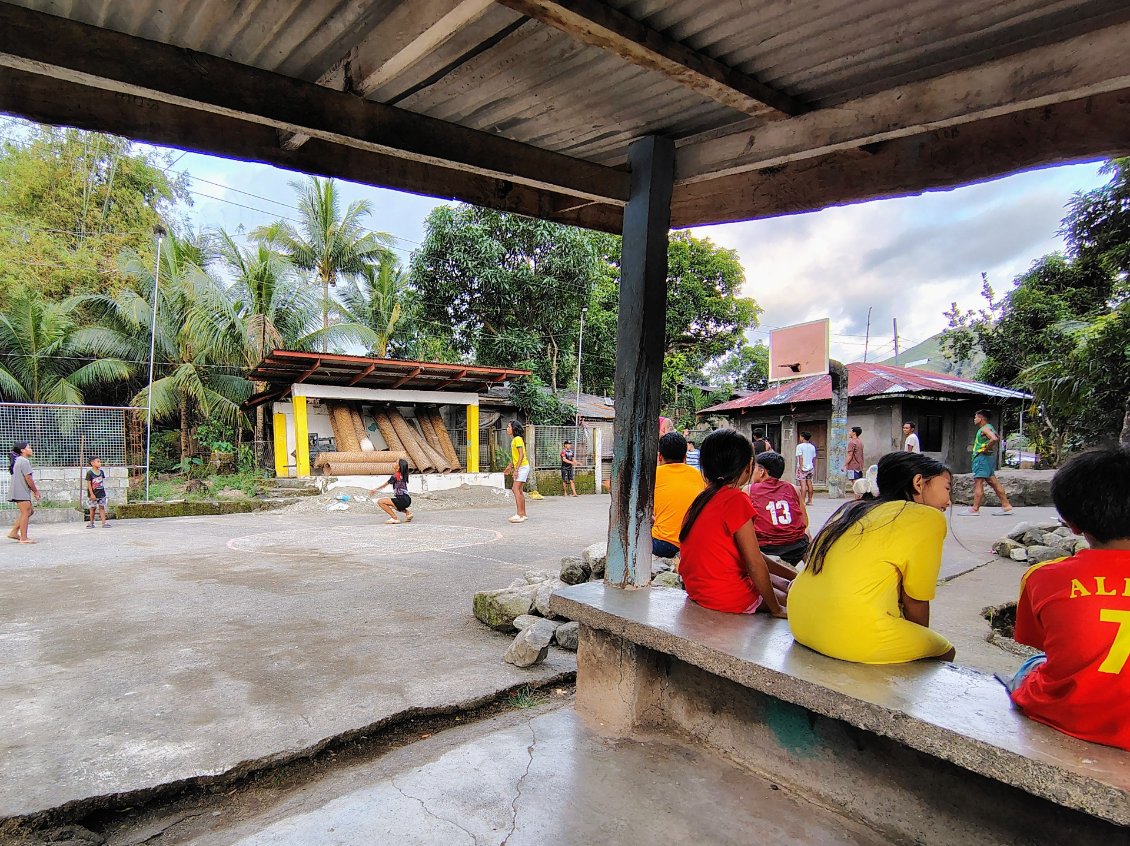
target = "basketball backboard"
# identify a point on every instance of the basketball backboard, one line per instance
(799, 351)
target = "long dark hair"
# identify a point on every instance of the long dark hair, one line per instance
(896, 484)
(402, 469)
(725, 454)
(17, 450)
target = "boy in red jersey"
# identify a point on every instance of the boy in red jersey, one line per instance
(1076, 610)
(779, 516)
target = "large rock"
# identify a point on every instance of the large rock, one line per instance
(596, 556)
(1033, 537)
(524, 621)
(1038, 554)
(536, 577)
(1024, 487)
(567, 635)
(499, 608)
(544, 592)
(1080, 545)
(1021, 528)
(1005, 546)
(660, 565)
(1019, 554)
(669, 579)
(574, 571)
(531, 645)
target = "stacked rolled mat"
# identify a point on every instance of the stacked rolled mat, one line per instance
(428, 450)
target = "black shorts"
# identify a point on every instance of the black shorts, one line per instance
(401, 502)
(567, 473)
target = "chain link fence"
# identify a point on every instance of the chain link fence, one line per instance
(549, 441)
(65, 438)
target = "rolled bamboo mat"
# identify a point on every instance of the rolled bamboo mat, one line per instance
(344, 435)
(359, 429)
(410, 441)
(438, 459)
(428, 428)
(381, 457)
(447, 447)
(360, 468)
(384, 424)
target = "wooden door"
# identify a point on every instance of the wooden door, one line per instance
(819, 431)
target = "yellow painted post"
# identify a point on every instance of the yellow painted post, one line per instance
(282, 466)
(472, 439)
(301, 438)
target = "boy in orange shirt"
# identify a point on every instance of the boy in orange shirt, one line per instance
(1076, 610)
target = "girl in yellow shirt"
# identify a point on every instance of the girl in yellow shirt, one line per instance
(864, 594)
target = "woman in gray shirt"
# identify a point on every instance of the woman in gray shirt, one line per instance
(22, 489)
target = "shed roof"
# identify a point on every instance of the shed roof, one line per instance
(868, 381)
(530, 105)
(283, 368)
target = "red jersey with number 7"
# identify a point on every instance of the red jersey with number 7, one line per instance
(1077, 611)
(778, 516)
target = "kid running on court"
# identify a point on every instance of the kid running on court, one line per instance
(96, 492)
(721, 566)
(400, 500)
(1076, 610)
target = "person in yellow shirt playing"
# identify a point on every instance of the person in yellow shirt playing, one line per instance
(520, 465)
(676, 486)
(865, 593)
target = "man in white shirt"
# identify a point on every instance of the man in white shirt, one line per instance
(911, 444)
(805, 466)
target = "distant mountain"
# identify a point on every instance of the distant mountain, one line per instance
(928, 356)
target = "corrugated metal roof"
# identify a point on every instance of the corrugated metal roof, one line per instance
(868, 380)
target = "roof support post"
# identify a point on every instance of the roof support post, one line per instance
(640, 337)
(837, 431)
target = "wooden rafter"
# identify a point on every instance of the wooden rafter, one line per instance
(362, 374)
(65, 50)
(309, 372)
(407, 377)
(460, 375)
(603, 26)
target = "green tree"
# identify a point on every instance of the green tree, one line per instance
(1097, 225)
(745, 369)
(70, 202)
(375, 299)
(328, 244)
(39, 361)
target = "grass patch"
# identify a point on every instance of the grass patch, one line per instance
(524, 698)
(176, 486)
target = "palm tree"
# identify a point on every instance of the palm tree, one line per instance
(327, 243)
(374, 299)
(39, 361)
(199, 342)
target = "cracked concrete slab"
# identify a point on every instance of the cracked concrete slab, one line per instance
(523, 779)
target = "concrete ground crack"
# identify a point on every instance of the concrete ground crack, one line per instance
(433, 814)
(165, 829)
(518, 786)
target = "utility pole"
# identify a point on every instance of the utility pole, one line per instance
(159, 231)
(867, 336)
(895, 321)
(580, 347)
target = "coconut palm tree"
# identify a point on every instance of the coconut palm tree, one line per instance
(374, 298)
(200, 348)
(39, 361)
(328, 244)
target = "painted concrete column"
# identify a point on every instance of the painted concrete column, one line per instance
(598, 465)
(472, 439)
(640, 338)
(278, 428)
(837, 430)
(301, 437)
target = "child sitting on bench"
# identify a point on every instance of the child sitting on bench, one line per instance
(779, 516)
(1076, 610)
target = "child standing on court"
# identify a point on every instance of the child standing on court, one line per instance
(520, 465)
(568, 468)
(722, 567)
(400, 500)
(96, 492)
(1076, 610)
(805, 466)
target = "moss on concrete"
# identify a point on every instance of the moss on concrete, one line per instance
(192, 509)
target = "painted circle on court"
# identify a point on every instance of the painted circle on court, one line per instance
(374, 542)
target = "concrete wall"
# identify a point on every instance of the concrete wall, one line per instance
(66, 484)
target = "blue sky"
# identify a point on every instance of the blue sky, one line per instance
(907, 258)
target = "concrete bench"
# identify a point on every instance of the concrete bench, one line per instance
(928, 752)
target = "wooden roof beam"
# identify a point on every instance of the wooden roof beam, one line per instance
(68, 51)
(602, 26)
(407, 377)
(460, 375)
(1083, 66)
(364, 373)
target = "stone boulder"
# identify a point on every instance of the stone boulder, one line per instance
(1005, 547)
(1024, 487)
(1020, 529)
(567, 635)
(531, 645)
(1038, 554)
(574, 571)
(524, 621)
(499, 608)
(1019, 554)
(669, 579)
(596, 556)
(544, 592)
(660, 565)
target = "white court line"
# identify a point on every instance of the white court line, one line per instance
(378, 542)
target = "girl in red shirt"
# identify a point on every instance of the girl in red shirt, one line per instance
(719, 561)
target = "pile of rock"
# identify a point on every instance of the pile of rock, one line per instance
(590, 567)
(523, 606)
(1033, 543)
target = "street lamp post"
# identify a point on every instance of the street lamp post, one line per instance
(580, 343)
(159, 231)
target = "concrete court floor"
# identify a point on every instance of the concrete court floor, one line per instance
(532, 777)
(165, 649)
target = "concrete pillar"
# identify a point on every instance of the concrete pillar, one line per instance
(837, 430)
(598, 468)
(472, 439)
(301, 438)
(640, 339)
(278, 428)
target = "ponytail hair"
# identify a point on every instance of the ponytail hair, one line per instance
(725, 454)
(402, 469)
(897, 471)
(17, 450)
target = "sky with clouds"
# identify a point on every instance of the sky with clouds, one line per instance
(906, 258)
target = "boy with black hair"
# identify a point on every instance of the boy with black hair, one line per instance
(96, 492)
(805, 466)
(676, 486)
(568, 468)
(985, 465)
(1076, 610)
(779, 516)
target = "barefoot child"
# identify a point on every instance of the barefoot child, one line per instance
(96, 492)
(1076, 610)
(400, 500)
(721, 566)
(22, 489)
